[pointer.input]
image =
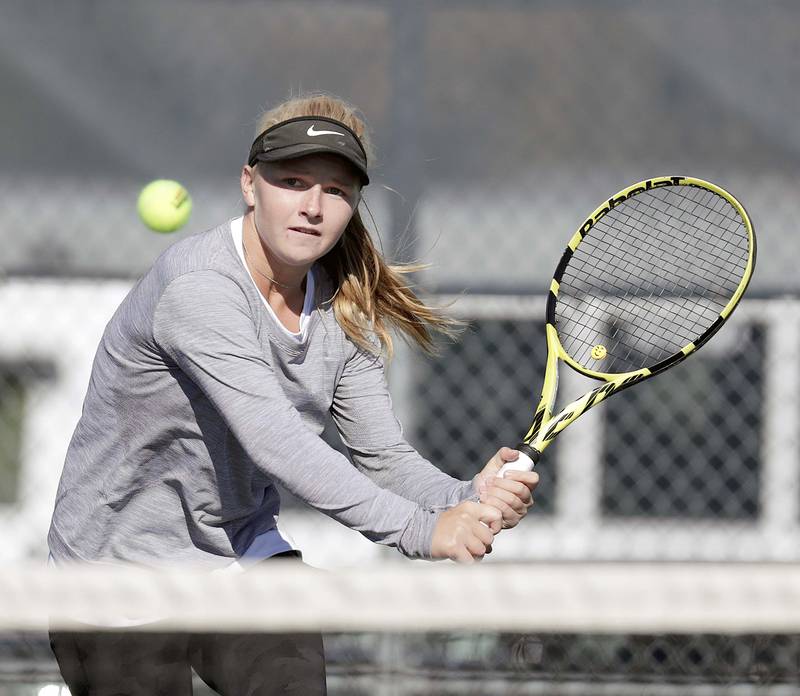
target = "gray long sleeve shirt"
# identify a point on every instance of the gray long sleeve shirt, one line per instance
(198, 404)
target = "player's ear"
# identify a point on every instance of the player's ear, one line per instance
(247, 181)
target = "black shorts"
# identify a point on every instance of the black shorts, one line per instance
(131, 662)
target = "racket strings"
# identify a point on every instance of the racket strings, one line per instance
(639, 292)
(612, 256)
(647, 305)
(628, 275)
(651, 277)
(717, 254)
(633, 220)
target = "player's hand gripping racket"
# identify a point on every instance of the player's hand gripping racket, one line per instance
(650, 276)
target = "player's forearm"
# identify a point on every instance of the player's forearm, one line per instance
(363, 413)
(405, 472)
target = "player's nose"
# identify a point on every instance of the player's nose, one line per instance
(312, 201)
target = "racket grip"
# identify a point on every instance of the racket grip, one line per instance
(525, 462)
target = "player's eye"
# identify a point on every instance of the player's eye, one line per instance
(294, 182)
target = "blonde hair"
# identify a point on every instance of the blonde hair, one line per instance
(371, 296)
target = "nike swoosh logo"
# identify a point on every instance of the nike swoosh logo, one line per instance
(313, 132)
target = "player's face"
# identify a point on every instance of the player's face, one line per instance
(302, 206)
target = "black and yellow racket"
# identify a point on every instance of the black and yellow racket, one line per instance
(650, 277)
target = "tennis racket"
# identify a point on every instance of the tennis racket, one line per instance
(647, 279)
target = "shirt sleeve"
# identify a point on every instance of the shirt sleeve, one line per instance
(203, 323)
(363, 413)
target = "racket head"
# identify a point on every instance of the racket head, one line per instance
(649, 277)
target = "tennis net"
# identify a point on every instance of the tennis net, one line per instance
(414, 628)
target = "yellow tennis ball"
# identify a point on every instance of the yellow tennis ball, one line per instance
(164, 205)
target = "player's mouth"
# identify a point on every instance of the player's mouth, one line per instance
(306, 230)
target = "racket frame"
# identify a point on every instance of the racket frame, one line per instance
(546, 426)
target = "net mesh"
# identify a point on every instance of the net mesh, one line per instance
(547, 628)
(650, 277)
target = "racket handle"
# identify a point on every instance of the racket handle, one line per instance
(525, 462)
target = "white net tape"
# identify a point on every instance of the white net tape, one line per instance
(566, 597)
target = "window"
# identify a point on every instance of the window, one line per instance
(15, 381)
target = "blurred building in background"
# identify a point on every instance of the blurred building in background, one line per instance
(497, 130)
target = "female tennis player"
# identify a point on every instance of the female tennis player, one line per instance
(212, 383)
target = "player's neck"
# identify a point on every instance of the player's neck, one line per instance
(283, 290)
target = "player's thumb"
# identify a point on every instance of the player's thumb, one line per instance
(500, 458)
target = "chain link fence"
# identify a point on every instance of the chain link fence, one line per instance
(450, 664)
(498, 128)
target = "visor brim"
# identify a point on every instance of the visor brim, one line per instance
(302, 149)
